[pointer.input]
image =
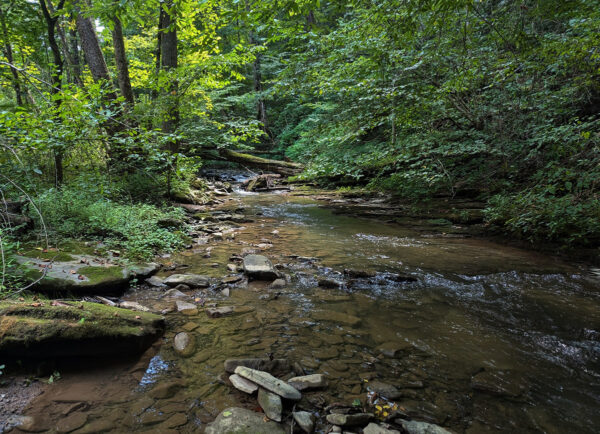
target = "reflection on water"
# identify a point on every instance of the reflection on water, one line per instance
(487, 339)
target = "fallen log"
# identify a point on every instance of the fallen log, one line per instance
(285, 168)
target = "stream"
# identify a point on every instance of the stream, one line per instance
(488, 338)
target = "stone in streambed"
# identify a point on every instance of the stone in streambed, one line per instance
(304, 382)
(261, 364)
(235, 420)
(337, 317)
(384, 389)
(305, 420)
(155, 282)
(217, 312)
(415, 427)
(330, 283)
(259, 267)
(345, 420)
(278, 284)
(373, 428)
(175, 293)
(191, 280)
(186, 308)
(71, 423)
(184, 344)
(271, 404)
(242, 384)
(269, 382)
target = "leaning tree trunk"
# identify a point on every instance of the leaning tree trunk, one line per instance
(276, 166)
(121, 61)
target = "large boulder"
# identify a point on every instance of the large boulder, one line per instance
(259, 267)
(60, 272)
(235, 420)
(69, 329)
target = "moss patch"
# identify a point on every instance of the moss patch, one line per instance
(101, 274)
(79, 328)
(55, 255)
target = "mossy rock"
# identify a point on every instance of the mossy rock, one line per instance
(43, 330)
(81, 275)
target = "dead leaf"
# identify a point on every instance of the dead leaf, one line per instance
(80, 307)
(81, 277)
(73, 272)
(138, 317)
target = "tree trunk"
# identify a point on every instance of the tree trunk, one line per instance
(75, 56)
(121, 61)
(9, 57)
(157, 52)
(168, 50)
(57, 72)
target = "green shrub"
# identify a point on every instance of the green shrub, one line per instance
(137, 228)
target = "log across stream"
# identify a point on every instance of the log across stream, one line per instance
(473, 336)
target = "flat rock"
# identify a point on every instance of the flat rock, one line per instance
(271, 404)
(74, 329)
(235, 420)
(373, 428)
(165, 390)
(71, 423)
(359, 274)
(330, 283)
(345, 420)
(144, 270)
(191, 280)
(175, 293)
(313, 381)
(242, 384)
(278, 284)
(386, 390)
(133, 305)
(260, 364)
(155, 282)
(337, 317)
(269, 382)
(231, 279)
(184, 344)
(217, 312)
(186, 308)
(259, 267)
(305, 420)
(414, 427)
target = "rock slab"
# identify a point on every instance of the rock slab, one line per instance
(373, 428)
(235, 420)
(191, 280)
(259, 267)
(313, 381)
(345, 420)
(305, 420)
(271, 404)
(267, 381)
(242, 384)
(415, 427)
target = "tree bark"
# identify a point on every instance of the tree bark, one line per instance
(168, 50)
(121, 61)
(8, 53)
(158, 49)
(57, 72)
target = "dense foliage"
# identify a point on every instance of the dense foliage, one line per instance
(107, 105)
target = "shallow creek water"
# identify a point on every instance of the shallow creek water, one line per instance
(489, 338)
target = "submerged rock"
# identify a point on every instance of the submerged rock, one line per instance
(305, 420)
(497, 382)
(264, 364)
(235, 420)
(259, 267)
(338, 317)
(191, 280)
(373, 428)
(313, 381)
(269, 382)
(384, 389)
(217, 312)
(74, 329)
(271, 404)
(414, 427)
(242, 384)
(330, 283)
(186, 308)
(184, 344)
(344, 420)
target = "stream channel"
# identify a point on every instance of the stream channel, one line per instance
(489, 338)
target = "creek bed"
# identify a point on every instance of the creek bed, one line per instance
(488, 338)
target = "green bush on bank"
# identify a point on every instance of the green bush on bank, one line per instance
(142, 230)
